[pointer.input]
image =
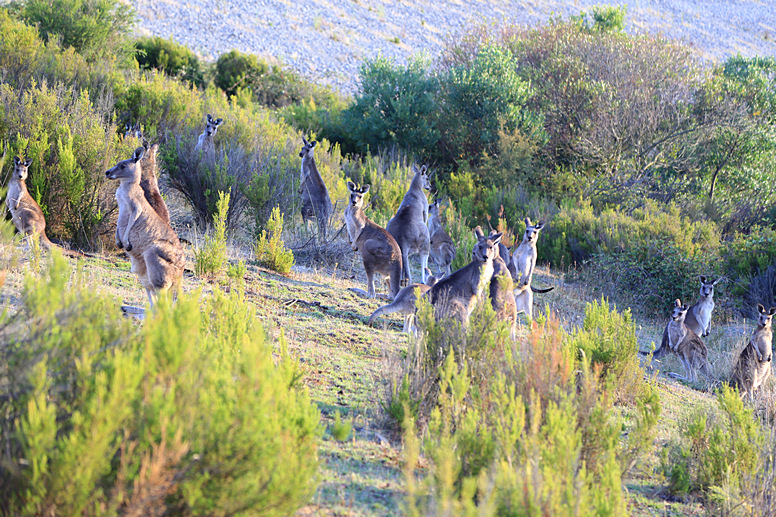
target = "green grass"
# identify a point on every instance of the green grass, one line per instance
(343, 363)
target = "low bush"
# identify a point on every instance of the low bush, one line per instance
(211, 258)
(520, 429)
(171, 58)
(716, 451)
(269, 248)
(196, 412)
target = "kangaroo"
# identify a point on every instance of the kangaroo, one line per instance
(442, 248)
(686, 344)
(408, 226)
(26, 213)
(404, 302)
(501, 285)
(149, 183)
(754, 364)
(699, 314)
(152, 245)
(379, 250)
(522, 267)
(315, 196)
(455, 295)
(205, 140)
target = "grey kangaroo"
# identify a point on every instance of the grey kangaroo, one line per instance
(522, 268)
(698, 317)
(442, 248)
(152, 245)
(408, 226)
(686, 344)
(379, 250)
(455, 296)
(754, 364)
(501, 285)
(315, 196)
(404, 302)
(205, 140)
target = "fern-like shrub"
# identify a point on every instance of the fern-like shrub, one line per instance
(210, 259)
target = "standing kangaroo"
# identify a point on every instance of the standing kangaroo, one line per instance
(522, 268)
(442, 248)
(149, 183)
(686, 344)
(455, 296)
(379, 250)
(404, 302)
(754, 364)
(408, 226)
(698, 317)
(152, 245)
(315, 196)
(501, 285)
(205, 140)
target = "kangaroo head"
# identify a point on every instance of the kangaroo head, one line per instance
(211, 127)
(133, 131)
(423, 172)
(532, 231)
(486, 248)
(20, 167)
(433, 209)
(127, 169)
(765, 317)
(308, 149)
(680, 311)
(357, 194)
(707, 286)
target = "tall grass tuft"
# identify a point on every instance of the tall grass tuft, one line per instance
(269, 248)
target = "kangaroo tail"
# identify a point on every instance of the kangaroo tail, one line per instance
(385, 309)
(542, 290)
(395, 278)
(663, 349)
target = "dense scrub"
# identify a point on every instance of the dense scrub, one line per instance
(192, 413)
(526, 428)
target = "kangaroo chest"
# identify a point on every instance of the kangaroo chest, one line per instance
(14, 195)
(676, 333)
(354, 223)
(703, 311)
(524, 261)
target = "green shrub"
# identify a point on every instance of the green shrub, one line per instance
(480, 99)
(236, 70)
(510, 426)
(94, 28)
(395, 106)
(341, 430)
(211, 258)
(269, 248)
(715, 450)
(191, 413)
(170, 57)
(236, 273)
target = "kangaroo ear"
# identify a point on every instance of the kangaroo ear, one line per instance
(539, 225)
(365, 188)
(304, 140)
(209, 118)
(146, 145)
(771, 311)
(16, 160)
(760, 308)
(527, 222)
(313, 144)
(702, 279)
(677, 303)
(28, 162)
(138, 154)
(352, 187)
(424, 169)
(219, 121)
(154, 148)
(683, 308)
(478, 232)
(496, 238)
